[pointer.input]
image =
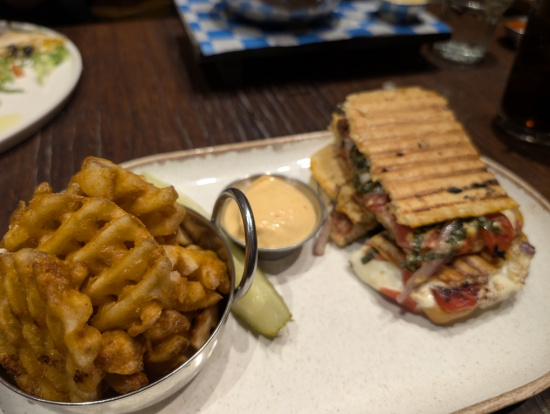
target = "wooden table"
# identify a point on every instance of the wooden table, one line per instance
(142, 92)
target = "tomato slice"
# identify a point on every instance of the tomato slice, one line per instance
(17, 70)
(406, 275)
(456, 299)
(403, 235)
(498, 238)
(378, 204)
(340, 222)
(409, 303)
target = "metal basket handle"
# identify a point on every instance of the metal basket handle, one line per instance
(251, 241)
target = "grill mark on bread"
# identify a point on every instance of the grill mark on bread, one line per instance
(471, 268)
(483, 266)
(398, 100)
(432, 174)
(422, 156)
(384, 119)
(490, 192)
(440, 185)
(394, 179)
(402, 131)
(432, 214)
(391, 161)
(414, 143)
(387, 248)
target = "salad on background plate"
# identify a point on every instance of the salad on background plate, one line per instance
(39, 68)
(24, 52)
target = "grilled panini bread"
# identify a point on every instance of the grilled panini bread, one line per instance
(422, 157)
(350, 219)
(451, 226)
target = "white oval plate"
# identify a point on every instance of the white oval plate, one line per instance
(23, 114)
(348, 350)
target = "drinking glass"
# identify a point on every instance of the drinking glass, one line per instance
(525, 107)
(473, 23)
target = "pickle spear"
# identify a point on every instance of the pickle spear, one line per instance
(262, 309)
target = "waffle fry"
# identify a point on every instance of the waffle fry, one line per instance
(120, 353)
(124, 384)
(91, 297)
(202, 276)
(50, 349)
(206, 322)
(57, 223)
(167, 342)
(155, 207)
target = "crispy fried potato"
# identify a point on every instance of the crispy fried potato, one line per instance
(120, 353)
(167, 343)
(206, 321)
(50, 350)
(202, 277)
(200, 265)
(155, 207)
(124, 384)
(171, 322)
(190, 296)
(90, 301)
(168, 349)
(57, 223)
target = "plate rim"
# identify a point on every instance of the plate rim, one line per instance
(219, 149)
(288, 139)
(488, 405)
(24, 131)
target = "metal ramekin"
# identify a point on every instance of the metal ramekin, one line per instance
(181, 376)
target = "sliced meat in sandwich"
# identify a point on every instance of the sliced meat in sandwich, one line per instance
(455, 234)
(349, 219)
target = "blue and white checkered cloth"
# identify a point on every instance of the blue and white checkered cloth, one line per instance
(216, 32)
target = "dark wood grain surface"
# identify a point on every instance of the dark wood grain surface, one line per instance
(144, 92)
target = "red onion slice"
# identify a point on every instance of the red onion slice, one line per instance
(324, 235)
(428, 269)
(420, 276)
(527, 248)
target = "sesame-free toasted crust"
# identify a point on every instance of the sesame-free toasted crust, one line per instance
(422, 157)
(329, 170)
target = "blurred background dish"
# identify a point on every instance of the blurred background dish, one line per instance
(281, 11)
(515, 26)
(24, 112)
(217, 35)
(401, 11)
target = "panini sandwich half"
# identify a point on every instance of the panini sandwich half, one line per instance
(349, 219)
(452, 239)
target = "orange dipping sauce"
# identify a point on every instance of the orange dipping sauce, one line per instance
(516, 25)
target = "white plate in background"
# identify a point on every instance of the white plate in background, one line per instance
(23, 114)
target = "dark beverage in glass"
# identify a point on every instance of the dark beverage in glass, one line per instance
(525, 108)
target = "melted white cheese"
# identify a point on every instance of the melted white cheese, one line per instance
(380, 274)
(376, 273)
(514, 216)
(505, 282)
(509, 279)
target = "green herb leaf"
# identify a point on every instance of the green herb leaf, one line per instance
(369, 255)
